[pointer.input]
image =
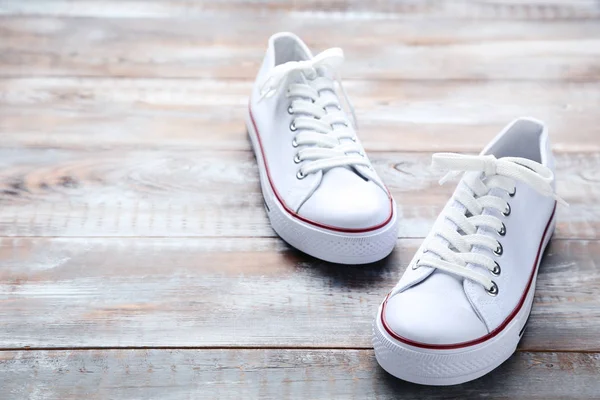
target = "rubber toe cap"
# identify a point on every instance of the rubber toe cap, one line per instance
(344, 200)
(435, 312)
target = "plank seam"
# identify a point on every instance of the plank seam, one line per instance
(161, 148)
(349, 79)
(573, 239)
(258, 348)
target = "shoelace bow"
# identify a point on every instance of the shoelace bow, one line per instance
(498, 173)
(321, 125)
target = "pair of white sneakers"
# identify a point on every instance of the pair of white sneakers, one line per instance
(461, 307)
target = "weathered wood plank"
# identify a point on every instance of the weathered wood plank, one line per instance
(122, 158)
(481, 9)
(206, 114)
(272, 374)
(426, 49)
(100, 292)
(115, 192)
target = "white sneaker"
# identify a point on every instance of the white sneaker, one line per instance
(461, 306)
(321, 192)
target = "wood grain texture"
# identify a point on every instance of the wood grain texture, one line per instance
(91, 113)
(114, 192)
(423, 49)
(135, 258)
(229, 292)
(276, 374)
(347, 9)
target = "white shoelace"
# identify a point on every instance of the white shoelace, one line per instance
(502, 173)
(321, 125)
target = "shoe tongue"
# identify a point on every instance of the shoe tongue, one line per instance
(346, 173)
(329, 95)
(451, 225)
(444, 242)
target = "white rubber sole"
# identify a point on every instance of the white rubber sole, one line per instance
(328, 245)
(450, 367)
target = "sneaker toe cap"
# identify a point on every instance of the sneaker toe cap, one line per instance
(433, 317)
(345, 200)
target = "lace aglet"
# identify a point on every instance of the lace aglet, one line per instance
(267, 89)
(450, 175)
(265, 94)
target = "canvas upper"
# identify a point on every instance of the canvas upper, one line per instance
(437, 307)
(346, 197)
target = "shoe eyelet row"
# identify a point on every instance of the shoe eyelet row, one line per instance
(493, 291)
(500, 250)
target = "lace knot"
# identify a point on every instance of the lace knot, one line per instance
(331, 58)
(489, 165)
(532, 173)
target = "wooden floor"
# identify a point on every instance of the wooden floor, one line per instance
(136, 260)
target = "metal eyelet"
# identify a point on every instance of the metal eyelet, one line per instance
(513, 192)
(493, 291)
(499, 250)
(507, 210)
(290, 110)
(297, 159)
(294, 143)
(300, 174)
(502, 230)
(497, 270)
(293, 126)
